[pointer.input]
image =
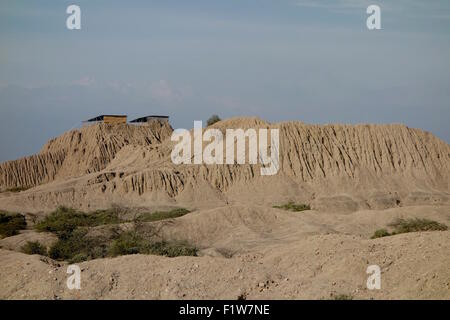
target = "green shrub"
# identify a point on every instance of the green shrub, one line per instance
(76, 246)
(161, 215)
(343, 297)
(380, 233)
(107, 216)
(410, 225)
(66, 220)
(414, 225)
(10, 224)
(213, 119)
(79, 257)
(291, 206)
(68, 245)
(171, 249)
(132, 243)
(16, 189)
(34, 247)
(127, 243)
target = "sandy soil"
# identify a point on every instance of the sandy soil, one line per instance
(356, 178)
(256, 254)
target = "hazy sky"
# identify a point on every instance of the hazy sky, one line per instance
(313, 61)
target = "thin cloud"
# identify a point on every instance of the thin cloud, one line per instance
(409, 8)
(85, 81)
(333, 5)
(164, 91)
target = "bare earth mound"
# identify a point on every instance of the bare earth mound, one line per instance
(320, 266)
(341, 167)
(357, 179)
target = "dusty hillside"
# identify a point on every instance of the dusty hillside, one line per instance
(77, 152)
(256, 253)
(357, 179)
(341, 166)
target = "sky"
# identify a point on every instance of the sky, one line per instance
(306, 60)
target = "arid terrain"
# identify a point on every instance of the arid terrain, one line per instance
(351, 180)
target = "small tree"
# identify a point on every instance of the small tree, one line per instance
(34, 247)
(213, 119)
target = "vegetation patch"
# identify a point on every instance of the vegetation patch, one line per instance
(34, 247)
(213, 119)
(380, 233)
(414, 225)
(127, 243)
(77, 246)
(16, 189)
(66, 220)
(10, 224)
(343, 297)
(76, 243)
(132, 243)
(161, 215)
(291, 206)
(410, 225)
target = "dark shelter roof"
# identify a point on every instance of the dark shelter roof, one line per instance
(101, 117)
(146, 118)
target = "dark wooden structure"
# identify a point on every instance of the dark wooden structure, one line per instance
(148, 119)
(109, 119)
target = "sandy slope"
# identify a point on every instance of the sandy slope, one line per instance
(77, 152)
(316, 268)
(259, 253)
(356, 178)
(338, 167)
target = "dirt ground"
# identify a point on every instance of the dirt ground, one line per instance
(252, 253)
(356, 178)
